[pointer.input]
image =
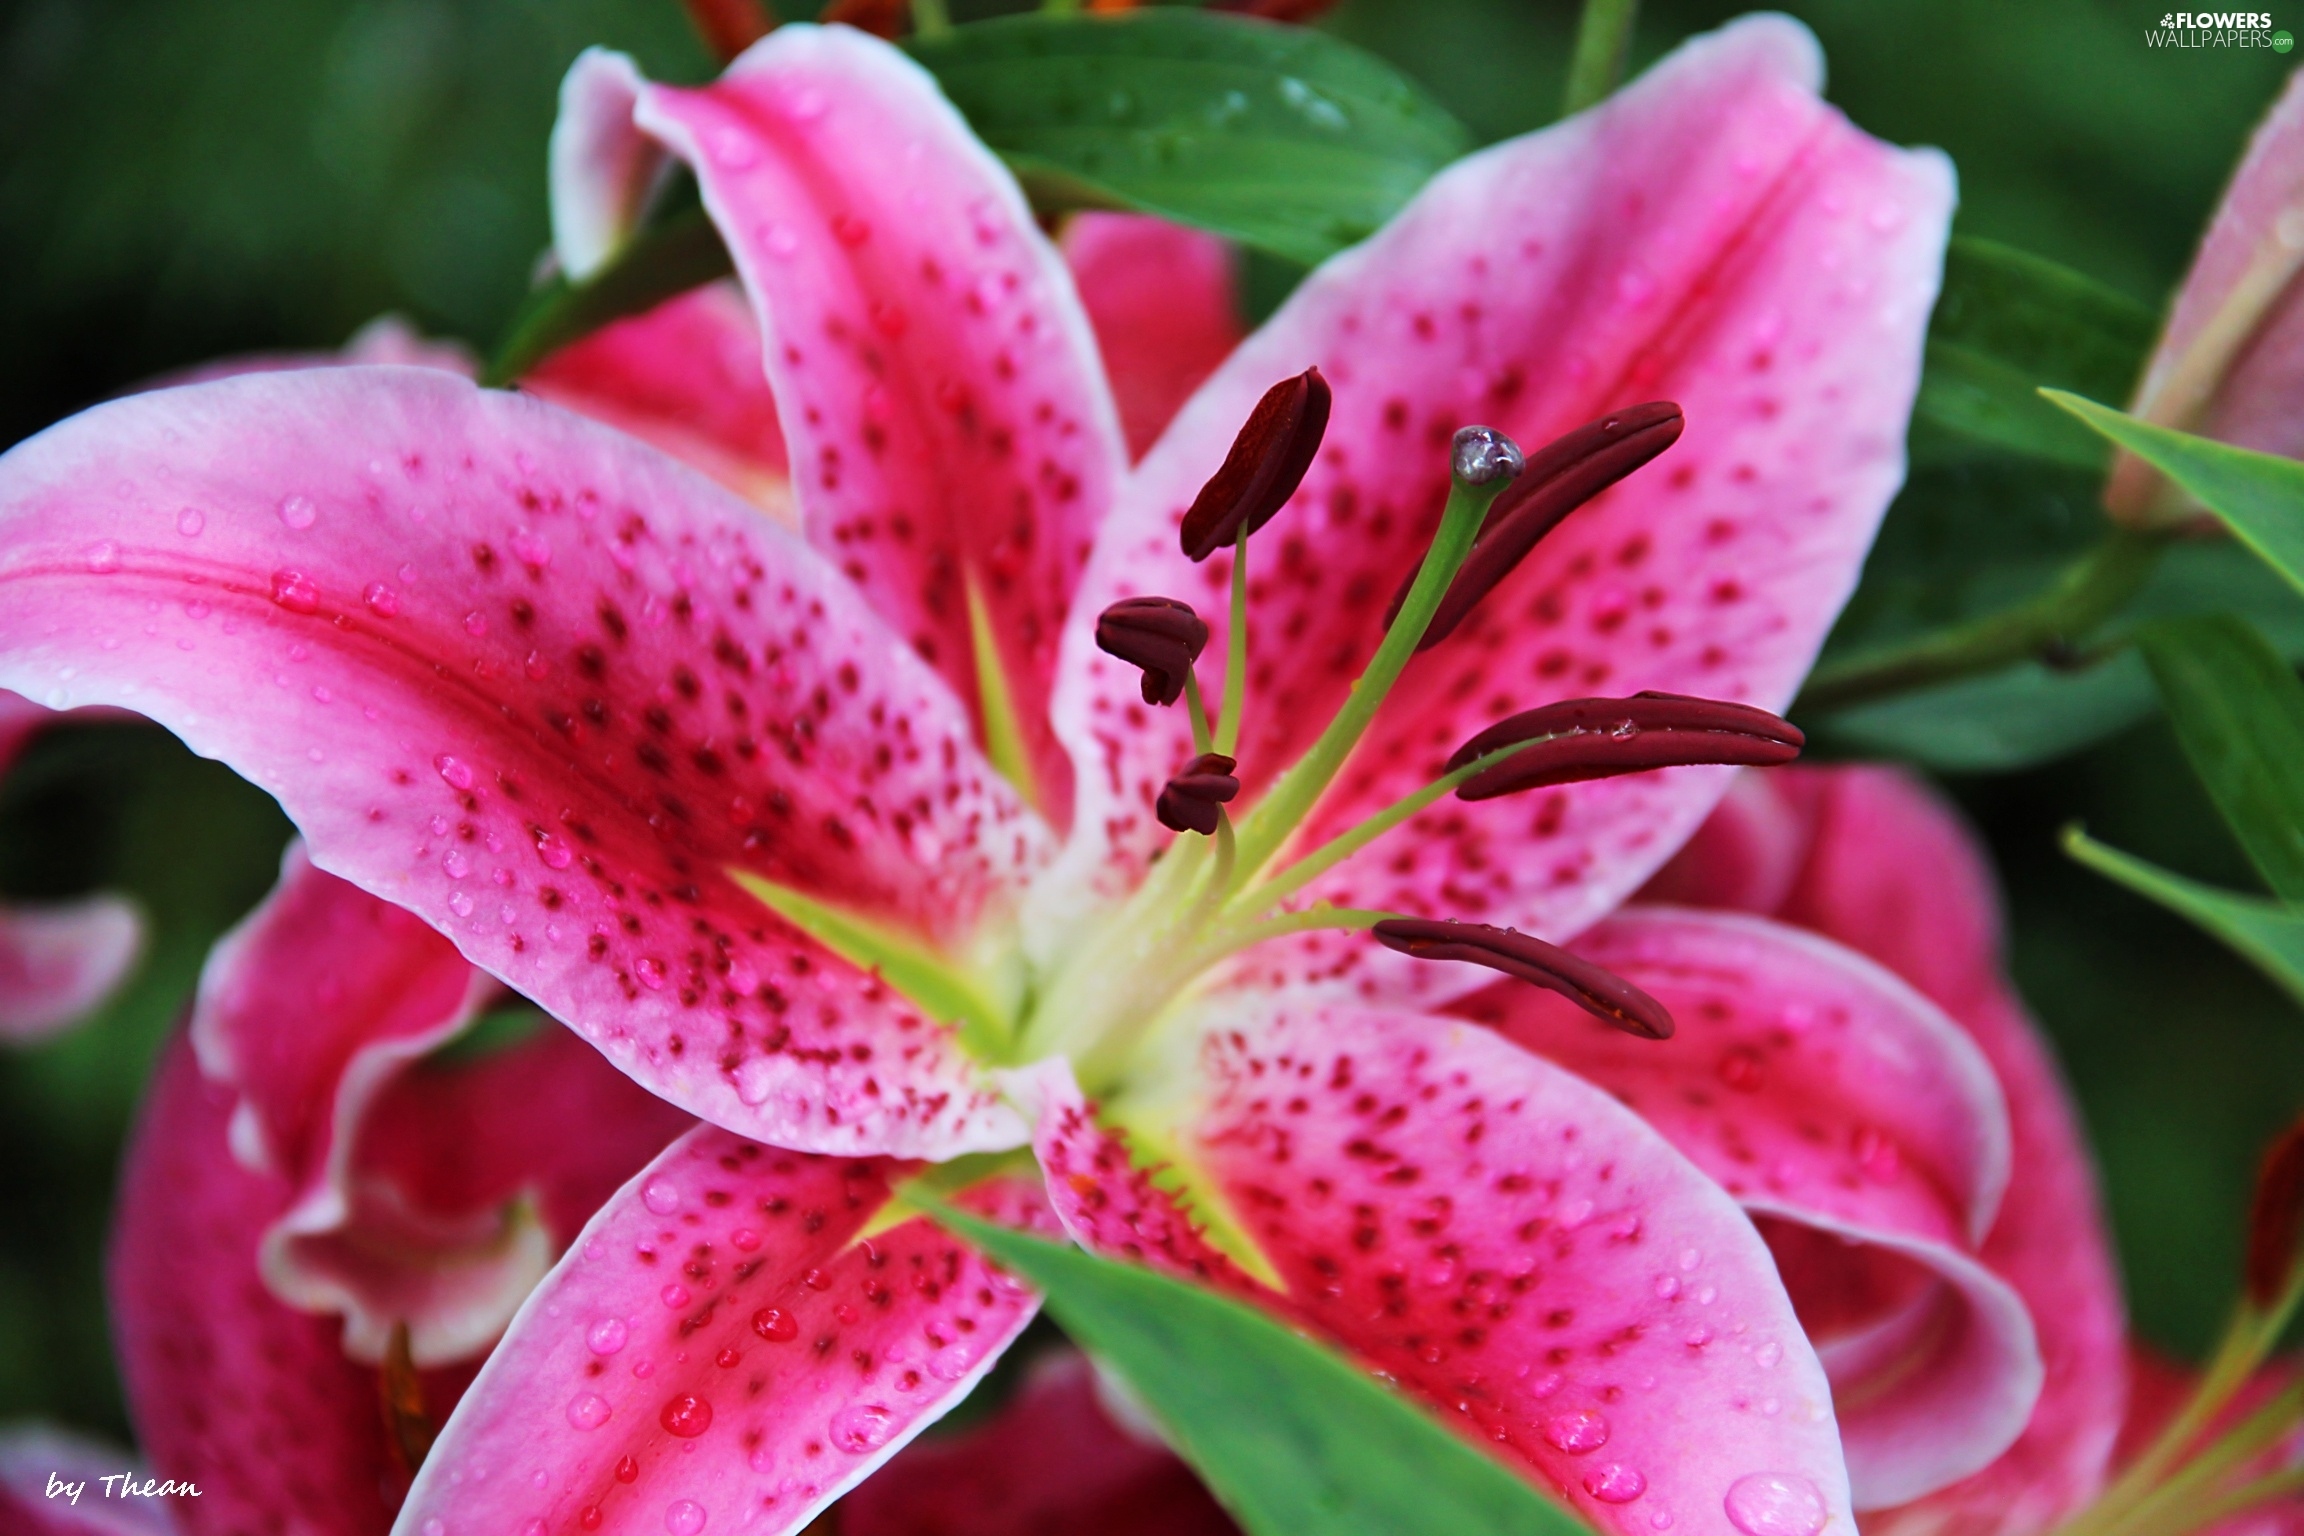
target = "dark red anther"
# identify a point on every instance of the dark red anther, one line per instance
(1579, 739)
(2276, 1219)
(1561, 476)
(1194, 800)
(1159, 634)
(1266, 464)
(1597, 990)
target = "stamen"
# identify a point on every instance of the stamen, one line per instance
(1159, 634)
(1194, 800)
(2276, 1218)
(1266, 464)
(1561, 476)
(408, 1428)
(1597, 990)
(1580, 739)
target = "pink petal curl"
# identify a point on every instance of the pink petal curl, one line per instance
(1519, 1249)
(1825, 1093)
(952, 437)
(1869, 857)
(721, 1350)
(1714, 234)
(59, 961)
(542, 686)
(1164, 301)
(229, 1388)
(1051, 1459)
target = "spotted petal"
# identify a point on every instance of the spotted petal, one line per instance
(1868, 1132)
(543, 687)
(1714, 234)
(721, 1350)
(1510, 1243)
(952, 438)
(1874, 860)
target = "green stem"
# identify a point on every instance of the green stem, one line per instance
(2089, 591)
(1603, 39)
(930, 18)
(2264, 1490)
(1235, 653)
(2180, 1495)
(1201, 741)
(1292, 798)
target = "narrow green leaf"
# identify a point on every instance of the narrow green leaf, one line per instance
(1283, 138)
(2239, 713)
(2268, 934)
(2008, 322)
(1290, 1436)
(683, 252)
(2260, 496)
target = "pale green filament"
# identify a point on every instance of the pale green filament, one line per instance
(1003, 727)
(1235, 653)
(1201, 741)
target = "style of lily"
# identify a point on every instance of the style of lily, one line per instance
(848, 843)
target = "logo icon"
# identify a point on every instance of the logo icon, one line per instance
(2282, 42)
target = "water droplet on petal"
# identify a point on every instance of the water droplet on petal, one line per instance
(1775, 1504)
(1769, 1353)
(381, 600)
(627, 1470)
(457, 772)
(531, 549)
(662, 1196)
(433, 1527)
(476, 624)
(744, 1239)
(1577, 1433)
(1615, 1483)
(589, 1411)
(298, 513)
(459, 903)
(190, 521)
(294, 591)
(535, 1528)
(555, 853)
(684, 1517)
(689, 1416)
(676, 1295)
(650, 970)
(607, 1336)
(863, 1427)
(454, 862)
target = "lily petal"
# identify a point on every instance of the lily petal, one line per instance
(545, 688)
(1714, 234)
(1512, 1244)
(719, 1350)
(59, 960)
(1888, 869)
(229, 1388)
(1052, 1459)
(686, 376)
(34, 1459)
(601, 172)
(954, 440)
(1825, 1093)
(1164, 301)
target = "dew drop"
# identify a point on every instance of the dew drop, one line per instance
(650, 970)
(774, 1325)
(1577, 1433)
(728, 1359)
(689, 1416)
(476, 624)
(104, 559)
(382, 601)
(744, 1240)
(684, 1517)
(554, 852)
(607, 1336)
(1769, 1353)
(662, 1196)
(863, 1427)
(456, 771)
(589, 1411)
(433, 1527)
(294, 591)
(531, 549)
(459, 903)
(676, 1295)
(454, 862)
(298, 512)
(1615, 1483)
(535, 1528)
(627, 1470)
(190, 521)
(589, 1517)
(1775, 1504)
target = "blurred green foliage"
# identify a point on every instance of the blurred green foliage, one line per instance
(183, 178)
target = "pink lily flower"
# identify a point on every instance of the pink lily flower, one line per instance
(845, 843)
(2230, 359)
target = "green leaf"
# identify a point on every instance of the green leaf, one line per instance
(2006, 323)
(2032, 713)
(2260, 496)
(1280, 137)
(2238, 710)
(2268, 934)
(683, 252)
(1290, 1436)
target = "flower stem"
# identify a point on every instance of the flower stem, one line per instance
(1235, 653)
(1603, 39)
(1201, 741)
(2089, 591)
(1292, 798)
